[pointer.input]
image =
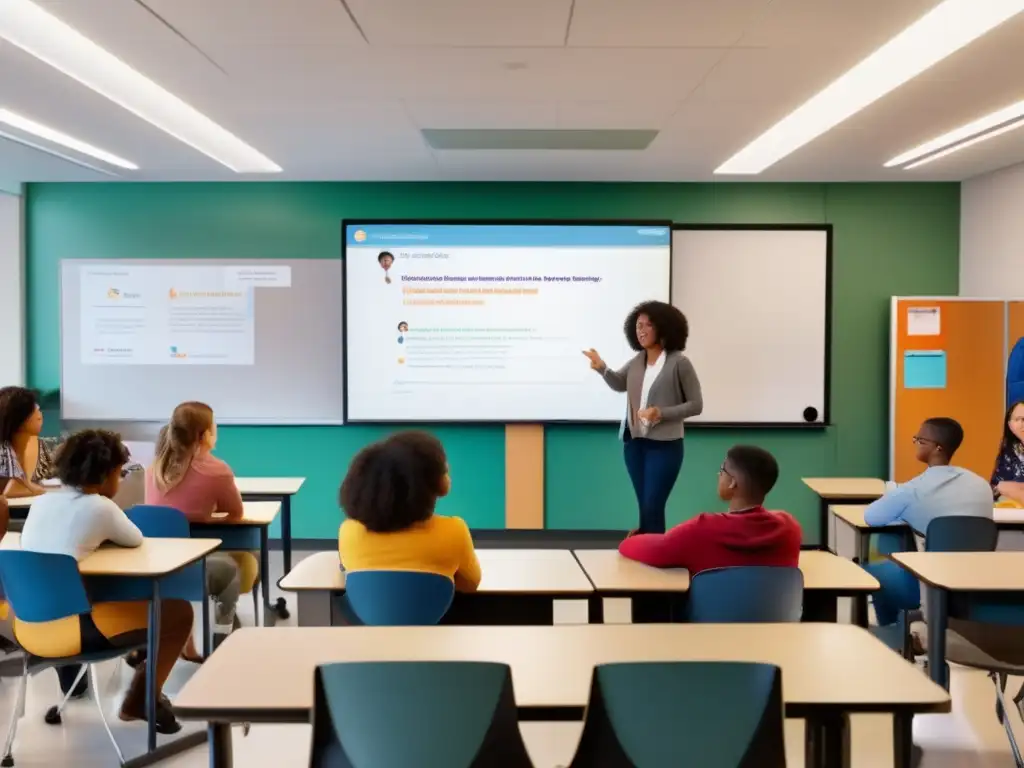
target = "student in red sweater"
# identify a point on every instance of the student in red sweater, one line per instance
(748, 534)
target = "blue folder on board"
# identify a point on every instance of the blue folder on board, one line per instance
(924, 370)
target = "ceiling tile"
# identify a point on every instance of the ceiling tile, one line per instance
(470, 23)
(657, 23)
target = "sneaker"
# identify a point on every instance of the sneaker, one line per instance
(166, 722)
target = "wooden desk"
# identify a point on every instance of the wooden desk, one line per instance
(827, 577)
(824, 669)
(841, 490)
(280, 489)
(518, 587)
(996, 574)
(255, 514)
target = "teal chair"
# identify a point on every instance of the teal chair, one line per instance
(43, 587)
(416, 715)
(684, 715)
(746, 594)
(396, 598)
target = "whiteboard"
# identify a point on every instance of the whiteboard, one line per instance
(757, 300)
(288, 369)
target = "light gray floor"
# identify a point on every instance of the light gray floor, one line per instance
(969, 736)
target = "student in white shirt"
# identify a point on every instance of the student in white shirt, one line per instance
(941, 490)
(75, 521)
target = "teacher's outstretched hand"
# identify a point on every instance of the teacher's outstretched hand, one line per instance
(662, 390)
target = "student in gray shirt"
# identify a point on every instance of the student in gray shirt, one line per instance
(940, 491)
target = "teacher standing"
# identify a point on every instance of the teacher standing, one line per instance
(662, 390)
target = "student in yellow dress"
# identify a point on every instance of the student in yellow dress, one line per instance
(389, 495)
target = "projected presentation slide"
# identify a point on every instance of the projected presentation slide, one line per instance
(162, 315)
(487, 322)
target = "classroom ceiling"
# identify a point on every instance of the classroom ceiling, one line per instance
(342, 89)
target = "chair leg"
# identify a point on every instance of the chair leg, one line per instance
(1000, 681)
(16, 713)
(103, 715)
(256, 605)
(53, 713)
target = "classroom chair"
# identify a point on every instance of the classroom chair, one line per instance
(43, 587)
(397, 598)
(684, 714)
(746, 594)
(423, 714)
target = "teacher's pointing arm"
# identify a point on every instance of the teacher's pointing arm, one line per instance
(693, 400)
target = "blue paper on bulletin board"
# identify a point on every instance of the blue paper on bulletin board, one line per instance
(924, 370)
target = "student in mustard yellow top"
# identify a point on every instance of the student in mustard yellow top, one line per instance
(389, 496)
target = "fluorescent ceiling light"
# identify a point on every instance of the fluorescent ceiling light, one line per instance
(51, 134)
(969, 143)
(17, 139)
(980, 125)
(49, 39)
(945, 29)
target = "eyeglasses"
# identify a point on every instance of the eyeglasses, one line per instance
(723, 471)
(918, 440)
(1017, 420)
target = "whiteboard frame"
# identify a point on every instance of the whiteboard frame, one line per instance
(826, 419)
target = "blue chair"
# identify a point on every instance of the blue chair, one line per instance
(423, 714)
(397, 598)
(683, 714)
(43, 587)
(747, 594)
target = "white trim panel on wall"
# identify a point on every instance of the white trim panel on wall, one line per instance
(12, 293)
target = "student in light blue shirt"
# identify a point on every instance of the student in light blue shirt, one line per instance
(940, 491)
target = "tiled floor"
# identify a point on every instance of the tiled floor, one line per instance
(969, 736)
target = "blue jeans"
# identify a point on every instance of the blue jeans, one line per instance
(900, 591)
(653, 467)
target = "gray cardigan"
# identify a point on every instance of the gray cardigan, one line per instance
(676, 392)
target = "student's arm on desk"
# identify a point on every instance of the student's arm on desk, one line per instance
(117, 528)
(663, 550)
(890, 508)
(468, 575)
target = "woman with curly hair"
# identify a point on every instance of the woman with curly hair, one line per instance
(662, 390)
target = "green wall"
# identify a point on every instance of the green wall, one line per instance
(888, 239)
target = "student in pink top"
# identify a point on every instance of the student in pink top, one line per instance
(187, 476)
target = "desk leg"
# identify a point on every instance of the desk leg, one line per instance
(265, 574)
(827, 741)
(152, 651)
(205, 609)
(827, 531)
(220, 745)
(820, 606)
(938, 617)
(860, 610)
(903, 740)
(863, 543)
(286, 550)
(595, 609)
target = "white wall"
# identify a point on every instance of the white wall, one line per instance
(992, 235)
(12, 292)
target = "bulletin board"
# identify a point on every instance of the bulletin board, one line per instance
(948, 358)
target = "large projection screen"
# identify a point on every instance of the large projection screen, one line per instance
(260, 341)
(486, 322)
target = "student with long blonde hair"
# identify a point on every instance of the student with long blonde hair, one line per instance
(187, 476)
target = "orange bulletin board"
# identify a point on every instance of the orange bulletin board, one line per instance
(1014, 324)
(971, 335)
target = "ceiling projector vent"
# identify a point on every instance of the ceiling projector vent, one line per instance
(501, 139)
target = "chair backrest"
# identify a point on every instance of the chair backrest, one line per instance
(398, 598)
(423, 714)
(699, 714)
(747, 594)
(155, 522)
(42, 587)
(960, 533)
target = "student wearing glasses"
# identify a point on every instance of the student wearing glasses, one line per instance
(941, 490)
(1008, 475)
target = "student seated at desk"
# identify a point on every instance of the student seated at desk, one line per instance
(187, 476)
(748, 534)
(26, 459)
(940, 491)
(1008, 475)
(389, 495)
(76, 520)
